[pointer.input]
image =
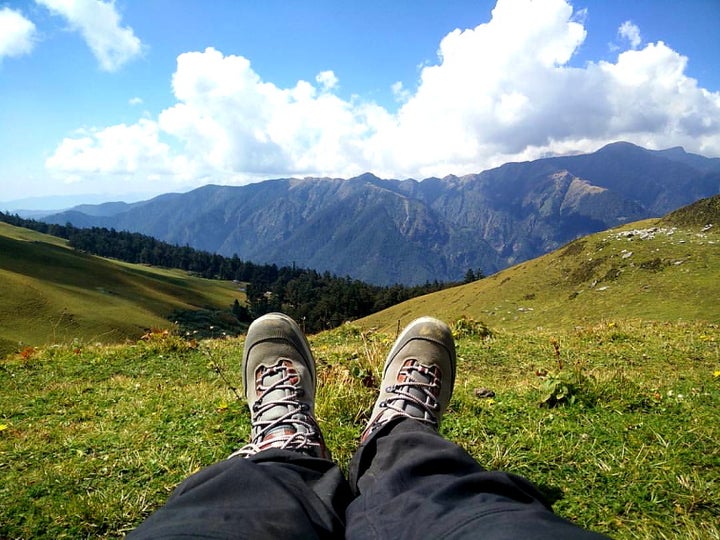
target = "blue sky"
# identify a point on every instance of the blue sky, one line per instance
(123, 100)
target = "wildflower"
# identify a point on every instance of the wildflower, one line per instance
(716, 374)
(3, 427)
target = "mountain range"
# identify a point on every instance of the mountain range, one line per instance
(408, 231)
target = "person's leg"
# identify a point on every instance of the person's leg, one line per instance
(283, 483)
(275, 494)
(411, 482)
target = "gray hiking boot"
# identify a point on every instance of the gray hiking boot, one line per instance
(279, 383)
(418, 377)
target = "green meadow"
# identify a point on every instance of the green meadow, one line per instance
(594, 373)
(650, 270)
(52, 294)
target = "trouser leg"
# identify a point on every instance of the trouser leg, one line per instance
(274, 494)
(413, 483)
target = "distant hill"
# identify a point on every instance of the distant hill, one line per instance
(659, 269)
(390, 231)
(53, 294)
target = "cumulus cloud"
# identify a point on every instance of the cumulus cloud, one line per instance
(630, 32)
(232, 122)
(503, 91)
(17, 34)
(98, 22)
(129, 150)
(327, 79)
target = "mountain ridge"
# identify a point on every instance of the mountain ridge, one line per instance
(410, 231)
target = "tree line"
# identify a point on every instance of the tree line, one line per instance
(317, 300)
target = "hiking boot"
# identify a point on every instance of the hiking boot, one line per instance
(279, 384)
(418, 376)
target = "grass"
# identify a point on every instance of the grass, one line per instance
(94, 438)
(53, 294)
(629, 272)
(619, 331)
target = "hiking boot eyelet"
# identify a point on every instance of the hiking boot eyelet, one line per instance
(419, 375)
(279, 383)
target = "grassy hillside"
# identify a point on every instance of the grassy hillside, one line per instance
(652, 270)
(603, 360)
(93, 439)
(53, 294)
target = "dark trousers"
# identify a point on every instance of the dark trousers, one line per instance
(405, 482)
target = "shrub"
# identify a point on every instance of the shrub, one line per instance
(467, 327)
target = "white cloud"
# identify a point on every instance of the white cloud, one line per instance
(17, 34)
(135, 101)
(99, 24)
(631, 32)
(134, 151)
(232, 122)
(327, 79)
(503, 91)
(400, 93)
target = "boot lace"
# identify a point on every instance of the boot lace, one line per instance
(279, 418)
(414, 395)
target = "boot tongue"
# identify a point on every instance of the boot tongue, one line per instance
(275, 381)
(414, 371)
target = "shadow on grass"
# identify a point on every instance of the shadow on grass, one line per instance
(552, 493)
